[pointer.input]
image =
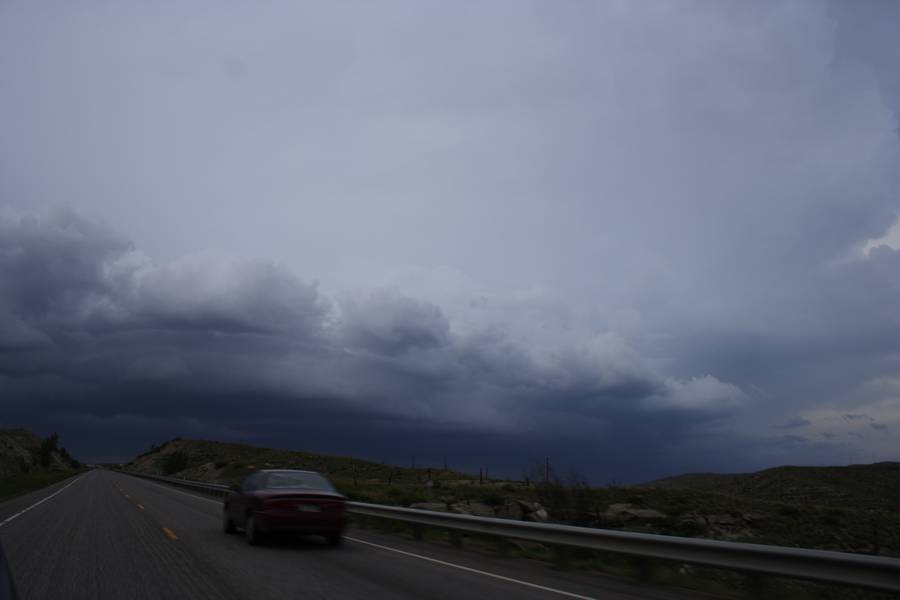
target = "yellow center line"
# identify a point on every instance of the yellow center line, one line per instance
(169, 533)
(141, 506)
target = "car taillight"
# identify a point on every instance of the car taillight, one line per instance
(305, 504)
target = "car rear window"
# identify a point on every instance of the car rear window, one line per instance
(298, 481)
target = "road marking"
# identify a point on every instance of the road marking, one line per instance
(169, 533)
(471, 570)
(141, 506)
(22, 512)
(434, 560)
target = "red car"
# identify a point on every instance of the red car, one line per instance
(286, 501)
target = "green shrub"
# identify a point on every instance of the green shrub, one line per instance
(174, 462)
(493, 499)
(48, 446)
(403, 497)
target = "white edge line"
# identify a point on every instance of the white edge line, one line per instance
(471, 570)
(38, 503)
(419, 556)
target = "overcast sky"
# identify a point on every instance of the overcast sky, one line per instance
(642, 238)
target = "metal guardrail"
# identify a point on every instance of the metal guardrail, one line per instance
(214, 489)
(875, 572)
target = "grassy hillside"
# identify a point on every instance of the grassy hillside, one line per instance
(775, 508)
(872, 487)
(22, 452)
(28, 462)
(220, 462)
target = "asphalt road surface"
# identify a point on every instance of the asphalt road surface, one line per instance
(107, 535)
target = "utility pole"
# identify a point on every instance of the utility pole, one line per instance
(547, 471)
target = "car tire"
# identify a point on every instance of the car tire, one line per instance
(254, 536)
(334, 539)
(228, 524)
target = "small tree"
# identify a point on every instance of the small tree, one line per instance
(175, 462)
(69, 459)
(48, 447)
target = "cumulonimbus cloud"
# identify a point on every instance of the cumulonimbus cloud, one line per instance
(81, 304)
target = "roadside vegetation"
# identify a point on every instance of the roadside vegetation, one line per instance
(28, 462)
(789, 506)
(762, 513)
(29, 482)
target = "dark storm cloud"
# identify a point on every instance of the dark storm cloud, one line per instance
(96, 335)
(795, 439)
(796, 422)
(393, 325)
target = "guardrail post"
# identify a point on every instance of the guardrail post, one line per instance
(754, 586)
(382, 525)
(417, 531)
(502, 545)
(455, 538)
(562, 557)
(645, 568)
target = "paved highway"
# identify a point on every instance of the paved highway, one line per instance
(107, 535)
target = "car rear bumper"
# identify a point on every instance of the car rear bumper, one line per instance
(300, 523)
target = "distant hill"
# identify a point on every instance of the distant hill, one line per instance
(222, 462)
(875, 486)
(24, 452)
